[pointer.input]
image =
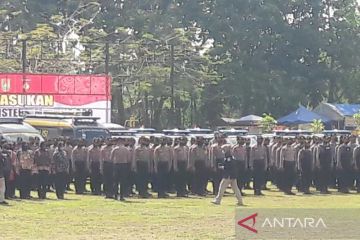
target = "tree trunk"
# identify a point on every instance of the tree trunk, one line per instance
(332, 90)
(157, 113)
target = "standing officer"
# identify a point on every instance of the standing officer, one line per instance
(42, 159)
(279, 168)
(170, 186)
(144, 166)
(154, 142)
(130, 144)
(333, 146)
(288, 165)
(181, 160)
(106, 168)
(162, 166)
(216, 159)
(258, 163)
(68, 149)
(353, 145)
(94, 158)
(344, 165)
(10, 175)
(305, 165)
(356, 157)
(79, 157)
(121, 158)
(240, 162)
(273, 159)
(198, 161)
(26, 161)
(248, 153)
(2, 178)
(61, 169)
(266, 143)
(52, 146)
(324, 162)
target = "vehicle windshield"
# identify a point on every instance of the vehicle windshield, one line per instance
(90, 133)
(13, 137)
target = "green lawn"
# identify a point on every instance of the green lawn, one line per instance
(93, 217)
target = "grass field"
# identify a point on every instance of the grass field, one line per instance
(93, 217)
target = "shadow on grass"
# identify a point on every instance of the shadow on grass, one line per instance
(68, 199)
(37, 200)
(131, 201)
(5, 206)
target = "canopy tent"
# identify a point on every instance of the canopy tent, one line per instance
(250, 120)
(301, 116)
(230, 121)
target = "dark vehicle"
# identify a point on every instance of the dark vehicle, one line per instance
(88, 128)
(79, 127)
(117, 130)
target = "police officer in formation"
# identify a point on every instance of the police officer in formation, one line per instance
(143, 166)
(42, 161)
(121, 159)
(61, 168)
(258, 165)
(181, 161)
(240, 163)
(217, 156)
(93, 158)
(199, 166)
(80, 166)
(162, 165)
(118, 167)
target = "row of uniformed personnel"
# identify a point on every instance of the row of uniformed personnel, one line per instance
(118, 163)
(322, 162)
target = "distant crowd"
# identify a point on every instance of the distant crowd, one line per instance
(122, 167)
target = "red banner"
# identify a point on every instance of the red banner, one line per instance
(70, 90)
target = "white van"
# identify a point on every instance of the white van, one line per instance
(13, 129)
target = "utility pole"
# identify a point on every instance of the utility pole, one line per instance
(23, 56)
(107, 57)
(172, 83)
(108, 82)
(24, 68)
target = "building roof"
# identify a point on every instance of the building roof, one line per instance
(337, 112)
(347, 109)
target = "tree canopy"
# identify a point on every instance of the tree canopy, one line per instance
(185, 62)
